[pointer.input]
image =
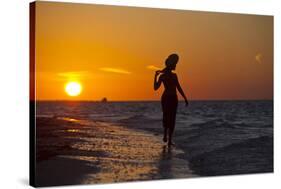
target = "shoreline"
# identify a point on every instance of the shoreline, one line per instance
(101, 152)
(71, 151)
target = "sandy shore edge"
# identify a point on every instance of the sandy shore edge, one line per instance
(71, 151)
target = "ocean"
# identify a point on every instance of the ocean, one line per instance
(217, 137)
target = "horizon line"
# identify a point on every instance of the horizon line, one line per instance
(67, 100)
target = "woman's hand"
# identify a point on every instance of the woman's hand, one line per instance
(157, 72)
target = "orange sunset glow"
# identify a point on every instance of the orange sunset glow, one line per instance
(88, 52)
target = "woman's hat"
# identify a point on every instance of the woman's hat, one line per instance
(172, 59)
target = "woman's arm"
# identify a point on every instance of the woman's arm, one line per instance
(157, 84)
(181, 91)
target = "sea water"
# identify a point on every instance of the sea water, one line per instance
(218, 137)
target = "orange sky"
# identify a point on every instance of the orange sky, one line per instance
(113, 50)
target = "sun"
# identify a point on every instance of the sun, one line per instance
(73, 88)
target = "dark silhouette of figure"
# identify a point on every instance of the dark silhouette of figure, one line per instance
(169, 99)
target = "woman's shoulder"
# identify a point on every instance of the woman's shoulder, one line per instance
(168, 74)
(174, 75)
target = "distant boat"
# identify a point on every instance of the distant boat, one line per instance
(104, 100)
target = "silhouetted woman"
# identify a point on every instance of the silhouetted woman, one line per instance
(169, 99)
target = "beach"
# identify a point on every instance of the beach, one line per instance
(82, 152)
(93, 142)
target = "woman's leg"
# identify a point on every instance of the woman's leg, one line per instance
(165, 126)
(165, 134)
(171, 127)
(164, 119)
(172, 118)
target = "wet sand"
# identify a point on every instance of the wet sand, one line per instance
(71, 151)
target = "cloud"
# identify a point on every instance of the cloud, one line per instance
(152, 67)
(258, 58)
(114, 70)
(73, 75)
